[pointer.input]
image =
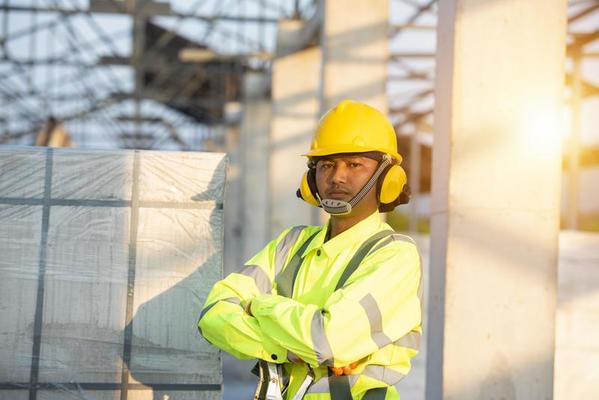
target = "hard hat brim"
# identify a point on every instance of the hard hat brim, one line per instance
(350, 148)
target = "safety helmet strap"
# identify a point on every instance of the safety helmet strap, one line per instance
(341, 207)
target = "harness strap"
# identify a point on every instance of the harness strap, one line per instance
(362, 252)
(286, 278)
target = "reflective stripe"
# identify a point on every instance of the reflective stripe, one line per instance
(204, 311)
(411, 340)
(383, 374)
(285, 245)
(323, 384)
(322, 348)
(286, 278)
(375, 394)
(375, 319)
(320, 386)
(260, 277)
(396, 237)
(233, 300)
(404, 238)
(355, 261)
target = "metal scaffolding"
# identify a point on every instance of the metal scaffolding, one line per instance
(131, 73)
(411, 82)
(159, 74)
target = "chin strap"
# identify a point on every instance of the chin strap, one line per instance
(340, 207)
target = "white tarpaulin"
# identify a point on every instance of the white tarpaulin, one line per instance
(106, 258)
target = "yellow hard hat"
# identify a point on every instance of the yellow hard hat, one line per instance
(354, 127)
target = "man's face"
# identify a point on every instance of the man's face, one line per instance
(342, 176)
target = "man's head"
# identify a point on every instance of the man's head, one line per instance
(359, 144)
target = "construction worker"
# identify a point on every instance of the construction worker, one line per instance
(331, 312)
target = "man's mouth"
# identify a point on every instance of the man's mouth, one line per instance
(337, 194)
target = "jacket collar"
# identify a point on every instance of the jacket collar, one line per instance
(356, 234)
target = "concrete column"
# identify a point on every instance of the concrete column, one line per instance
(573, 186)
(254, 160)
(233, 202)
(295, 88)
(495, 209)
(355, 52)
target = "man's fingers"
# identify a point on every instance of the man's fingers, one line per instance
(347, 370)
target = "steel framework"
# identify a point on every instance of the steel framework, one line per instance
(131, 73)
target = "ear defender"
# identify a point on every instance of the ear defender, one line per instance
(392, 183)
(307, 190)
(391, 188)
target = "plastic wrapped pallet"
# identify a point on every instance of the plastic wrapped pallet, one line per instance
(106, 258)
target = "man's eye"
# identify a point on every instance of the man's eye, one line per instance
(354, 164)
(325, 165)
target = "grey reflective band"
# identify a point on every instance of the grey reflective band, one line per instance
(375, 319)
(260, 277)
(340, 207)
(355, 261)
(285, 245)
(322, 347)
(233, 300)
(396, 237)
(286, 278)
(384, 374)
(320, 386)
(411, 340)
(407, 239)
(206, 309)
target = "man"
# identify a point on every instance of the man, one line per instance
(337, 307)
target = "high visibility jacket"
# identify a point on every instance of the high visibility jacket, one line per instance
(353, 298)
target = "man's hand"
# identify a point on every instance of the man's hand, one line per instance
(347, 370)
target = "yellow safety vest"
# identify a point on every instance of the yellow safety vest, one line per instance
(354, 298)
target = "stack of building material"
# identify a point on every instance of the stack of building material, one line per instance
(106, 259)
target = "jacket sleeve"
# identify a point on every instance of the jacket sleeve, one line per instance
(224, 321)
(378, 305)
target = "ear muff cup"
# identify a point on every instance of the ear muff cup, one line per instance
(307, 190)
(391, 184)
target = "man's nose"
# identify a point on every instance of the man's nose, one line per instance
(339, 174)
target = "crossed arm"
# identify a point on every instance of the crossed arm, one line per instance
(378, 305)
